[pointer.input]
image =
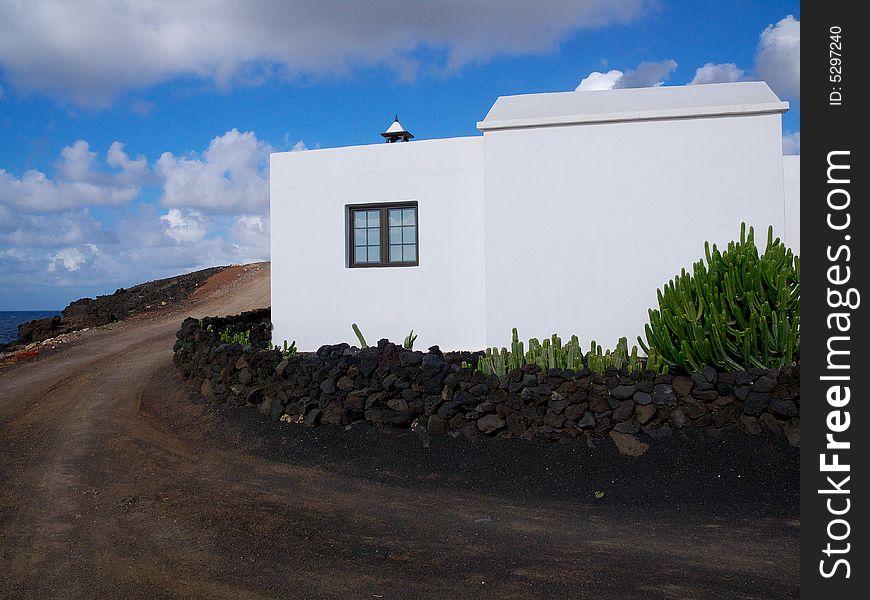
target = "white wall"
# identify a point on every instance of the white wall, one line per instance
(316, 297)
(585, 222)
(791, 167)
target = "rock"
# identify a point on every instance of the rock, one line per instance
(205, 389)
(678, 418)
(623, 392)
(345, 384)
(631, 426)
(312, 417)
(644, 413)
(554, 420)
(742, 391)
(709, 374)
(241, 363)
(623, 411)
(265, 407)
(785, 409)
(471, 430)
(327, 386)
(448, 410)
(750, 424)
(490, 423)
(355, 401)
(642, 398)
(435, 425)
(334, 413)
(763, 384)
(663, 393)
(658, 432)
(574, 412)
(598, 404)
(792, 430)
(694, 411)
(700, 382)
(769, 422)
(755, 403)
(705, 395)
(282, 368)
(397, 404)
(682, 385)
(558, 403)
(627, 444)
(245, 376)
(587, 422)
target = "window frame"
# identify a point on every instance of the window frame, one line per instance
(383, 208)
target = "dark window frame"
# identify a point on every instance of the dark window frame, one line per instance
(383, 208)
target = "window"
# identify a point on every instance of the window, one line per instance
(383, 235)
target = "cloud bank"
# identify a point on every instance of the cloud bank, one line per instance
(176, 214)
(91, 52)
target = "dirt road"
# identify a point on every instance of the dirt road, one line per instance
(114, 487)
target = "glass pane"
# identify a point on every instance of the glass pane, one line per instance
(359, 254)
(409, 235)
(374, 218)
(409, 253)
(359, 237)
(395, 253)
(359, 218)
(395, 235)
(374, 254)
(408, 216)
(395, 216)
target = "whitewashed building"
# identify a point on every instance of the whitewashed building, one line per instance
(564, 216)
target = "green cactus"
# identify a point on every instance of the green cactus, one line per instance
(359, 335)
(735, 311)
(408, 344)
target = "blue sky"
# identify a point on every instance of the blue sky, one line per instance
(134, 136)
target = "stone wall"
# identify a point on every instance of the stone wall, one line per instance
(389, 385)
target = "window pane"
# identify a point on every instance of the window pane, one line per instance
(395, 253)
(374, 218)
(374, 254)
(359, 218)
(359, 254)
(409, 235)
(359, 237)
(395, 216)
(408, 216)
(395, 235)
(409, 253)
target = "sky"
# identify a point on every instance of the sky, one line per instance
(135, 135)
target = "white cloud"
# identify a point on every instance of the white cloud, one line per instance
(646, 74)
(599, 81)
(230, 176)
(717, 73)
(791, 143)
(184, 226)
(78, 183)
(90, 52)
(778, 57)
(67, 258)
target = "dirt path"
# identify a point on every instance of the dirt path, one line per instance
(110, 489)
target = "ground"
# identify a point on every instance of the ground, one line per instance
(116, 483)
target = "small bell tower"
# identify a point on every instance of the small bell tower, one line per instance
(396, 133)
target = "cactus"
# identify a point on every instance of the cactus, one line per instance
(736, 311)
(408, 344)
(359, 335)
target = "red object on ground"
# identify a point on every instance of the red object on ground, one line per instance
(29, 354)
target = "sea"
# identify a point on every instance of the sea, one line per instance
(11, 319)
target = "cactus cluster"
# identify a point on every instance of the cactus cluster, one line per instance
(359, 335)
(286, 351)
(738, 311)
(229, 337)
(553, 354)
(408, 344)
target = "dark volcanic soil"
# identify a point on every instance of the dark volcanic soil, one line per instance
(114, 483)
(124, 303)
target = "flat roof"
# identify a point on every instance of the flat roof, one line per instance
(651, 103)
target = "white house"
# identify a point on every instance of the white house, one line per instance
(564, 216)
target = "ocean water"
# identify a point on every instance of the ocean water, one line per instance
(11, 319)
